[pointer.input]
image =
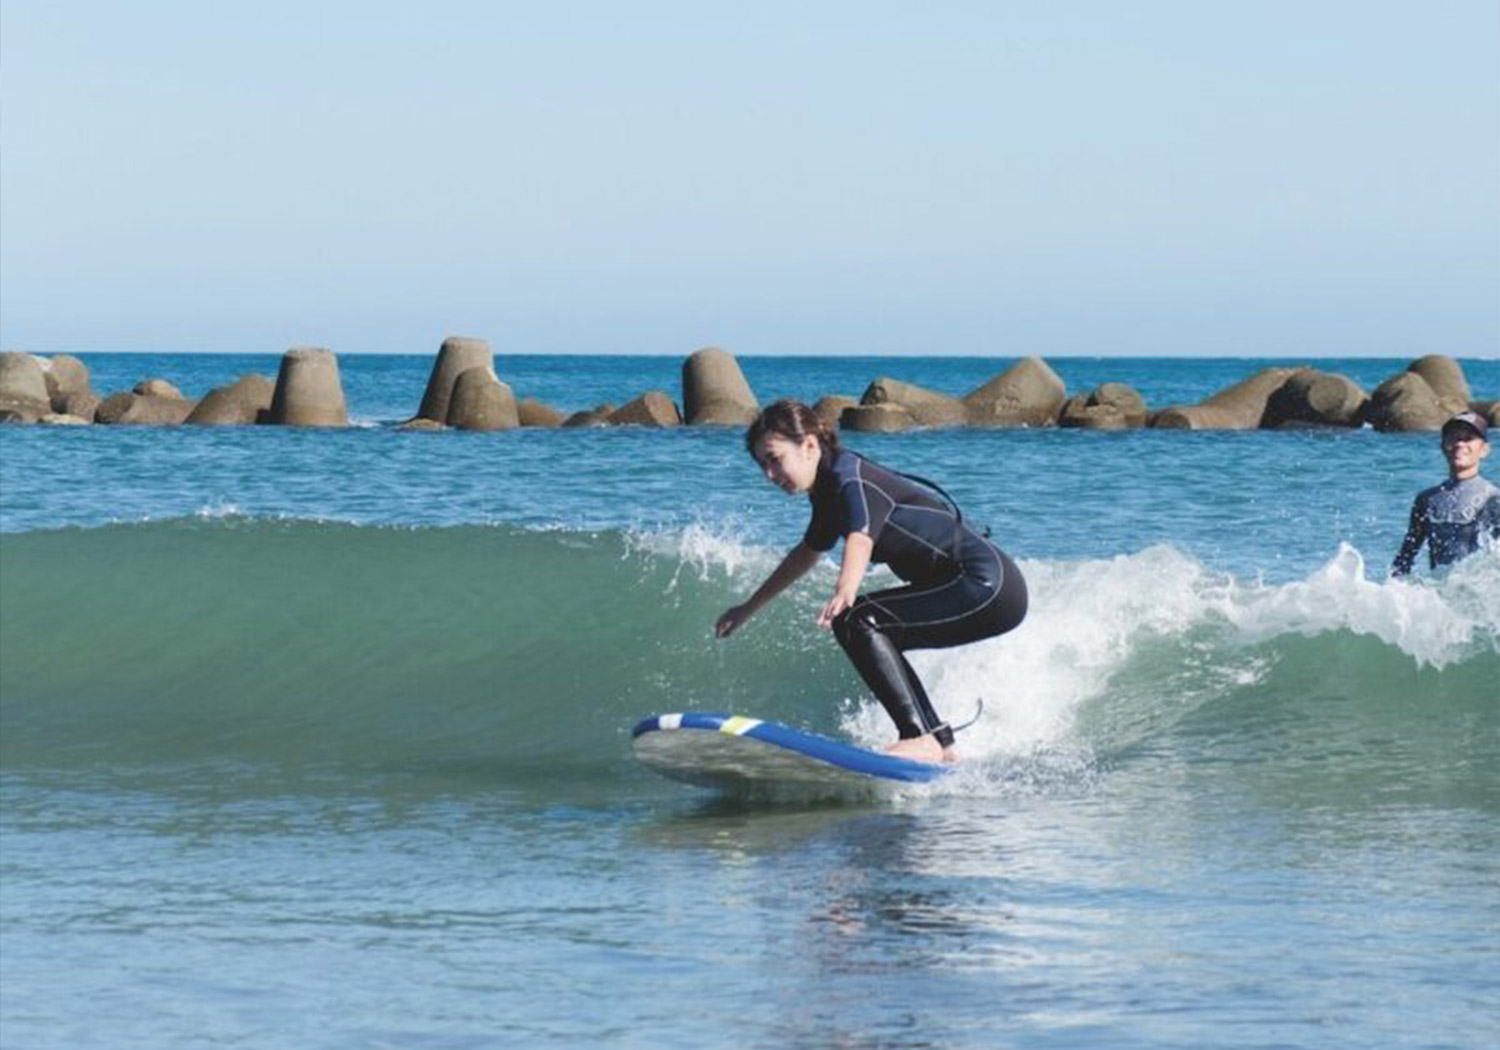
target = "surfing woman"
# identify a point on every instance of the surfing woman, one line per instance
(959, 587)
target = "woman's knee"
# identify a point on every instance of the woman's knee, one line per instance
(854, 628)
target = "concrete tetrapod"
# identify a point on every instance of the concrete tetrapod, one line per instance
(456, 356)
(308, 392)
(715, 390)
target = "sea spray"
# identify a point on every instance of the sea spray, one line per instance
(707, 551)
(1435, 622)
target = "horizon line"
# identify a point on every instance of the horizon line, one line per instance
(1324, 356)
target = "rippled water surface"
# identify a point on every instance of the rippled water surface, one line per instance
(321, 739)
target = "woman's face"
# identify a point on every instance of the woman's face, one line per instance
(792, 466)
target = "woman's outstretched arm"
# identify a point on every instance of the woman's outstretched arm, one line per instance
(793, 567)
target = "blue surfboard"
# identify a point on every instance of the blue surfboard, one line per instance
(732, 752)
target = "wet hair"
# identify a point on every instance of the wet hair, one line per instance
(794, 421)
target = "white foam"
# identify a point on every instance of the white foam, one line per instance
(1436, 621)
(1083, 622)
(217, 510)
(707, 551)
(1088, 620)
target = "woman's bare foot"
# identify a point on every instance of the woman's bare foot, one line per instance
(922, 749)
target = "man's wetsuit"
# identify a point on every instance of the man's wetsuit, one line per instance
(1454, 519)
(960, 587)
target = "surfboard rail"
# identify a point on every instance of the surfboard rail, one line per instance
(725, 750)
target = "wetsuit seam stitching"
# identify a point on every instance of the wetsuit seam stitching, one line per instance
(914, 506)
(859, 479)
(920, 539)
(995, 593)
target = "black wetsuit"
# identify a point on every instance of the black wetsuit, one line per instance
(1454, 519)
(960, 587)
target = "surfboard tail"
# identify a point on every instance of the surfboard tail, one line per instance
(722, 750)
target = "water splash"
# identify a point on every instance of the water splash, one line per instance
(1437, 622)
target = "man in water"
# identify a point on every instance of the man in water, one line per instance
(1462, 514)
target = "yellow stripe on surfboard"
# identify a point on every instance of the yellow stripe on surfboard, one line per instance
(738, 726)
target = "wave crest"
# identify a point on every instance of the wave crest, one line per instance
(515, 650)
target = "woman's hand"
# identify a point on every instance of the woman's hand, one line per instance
(731, 620)
(792, 568)
(841, 600)
(857, 550)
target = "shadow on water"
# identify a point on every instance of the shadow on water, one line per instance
(756, 826)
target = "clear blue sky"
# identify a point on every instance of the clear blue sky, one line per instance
(1316, 178)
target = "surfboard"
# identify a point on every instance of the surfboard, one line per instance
(731, 752)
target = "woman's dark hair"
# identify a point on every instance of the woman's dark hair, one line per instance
(794, 421)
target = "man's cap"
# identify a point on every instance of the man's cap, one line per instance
(1473, 420)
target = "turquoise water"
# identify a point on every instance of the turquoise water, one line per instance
(320, 739)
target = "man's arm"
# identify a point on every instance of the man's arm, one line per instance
(1490, 517)
(1416, 535)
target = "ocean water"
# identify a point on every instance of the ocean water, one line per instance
(321, 738)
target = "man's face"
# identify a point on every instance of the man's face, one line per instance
(1463, 448)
